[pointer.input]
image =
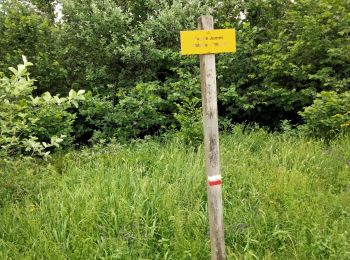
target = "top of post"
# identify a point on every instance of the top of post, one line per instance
(206, 22)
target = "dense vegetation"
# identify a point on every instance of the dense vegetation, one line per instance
(105, 91)
(285, 197)
(125, 54)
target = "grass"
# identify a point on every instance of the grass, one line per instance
(285, 197)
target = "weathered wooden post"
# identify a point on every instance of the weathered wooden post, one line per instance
(205, 42)
(211, 144)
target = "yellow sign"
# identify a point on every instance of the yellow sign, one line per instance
(208, 41)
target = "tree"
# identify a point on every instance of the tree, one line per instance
(47, 7)
(24, 31)
(287, 54)
(123, 42)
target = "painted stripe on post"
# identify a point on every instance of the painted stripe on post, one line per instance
(214, 180)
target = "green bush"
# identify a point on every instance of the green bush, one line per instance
(32, 125)
(328, 115)
(189, 116)
(287, 52)
(26, 31)
(141, 110)
(138, 111)
(149, 108)
(97, 120)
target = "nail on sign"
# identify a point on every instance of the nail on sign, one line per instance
(208, 41)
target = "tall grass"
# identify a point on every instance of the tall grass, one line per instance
(284, 197)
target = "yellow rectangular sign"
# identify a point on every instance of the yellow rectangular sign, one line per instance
(208, 41)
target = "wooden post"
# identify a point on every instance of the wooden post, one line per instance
(211, 143)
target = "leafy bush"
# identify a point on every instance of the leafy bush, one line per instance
(146, 109)
(32, 125)
(26, 31)
(328, 115)
(95, 119)
(141, 110)
(288, 51)
(189, 116)
(138, 112)
(123, 42)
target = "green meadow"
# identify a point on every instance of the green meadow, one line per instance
(285, 197)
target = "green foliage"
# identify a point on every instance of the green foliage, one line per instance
(47, 7)
(140, 110)
(32, 125)
(287, 53)
(137, 112)
(189, 116)
(183, 100)
(284, 198)
(146, 109)
(123, 43)
(53, 115)
(328, 115)
(95, 119)
(25, 31)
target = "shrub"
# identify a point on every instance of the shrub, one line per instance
(288, 51)
(149, 108)
(25, 30)
(189, 116)
(138, 112)
(32, 125)
(328, 115)
(96, 119)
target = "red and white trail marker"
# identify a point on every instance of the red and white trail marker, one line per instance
(214, 180)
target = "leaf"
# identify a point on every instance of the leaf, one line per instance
(35, 101)
(13, 70)
(75, 103)
(21, 69)
(72, 94)
(47, 97)
(24, 58)
(81, 92)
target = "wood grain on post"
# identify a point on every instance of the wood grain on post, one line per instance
(211, 143)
